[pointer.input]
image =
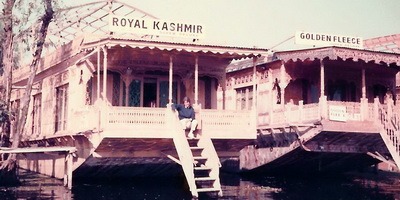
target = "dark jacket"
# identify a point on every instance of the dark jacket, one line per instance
(184, 112)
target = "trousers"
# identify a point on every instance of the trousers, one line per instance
(189, 123)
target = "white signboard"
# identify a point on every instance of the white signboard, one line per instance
(337, 113)
(321, 39)
(123, 24)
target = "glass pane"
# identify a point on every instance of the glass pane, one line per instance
(134, 93)
(163, 93)
(116, 89)
(123, 94)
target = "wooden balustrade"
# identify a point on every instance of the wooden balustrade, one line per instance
(312, 112)
(135, 117)
(227, 123)
(215, 123)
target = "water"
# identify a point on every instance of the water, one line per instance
(356, 186)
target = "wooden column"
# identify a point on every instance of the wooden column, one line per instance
(254, 83)
(98, 89)
(322, 75)
(323, 104)
(104, 73)
(254, 108)
(283, 83)
(363, 84)
(363, 101)
(196, 81)
(170, 80)
(98, 73)
(69, 166)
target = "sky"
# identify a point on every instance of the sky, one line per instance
(267, 23)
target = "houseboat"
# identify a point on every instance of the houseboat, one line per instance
(101, 102)
(327, 109)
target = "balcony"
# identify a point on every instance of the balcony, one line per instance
(146, 122)
(329, 110)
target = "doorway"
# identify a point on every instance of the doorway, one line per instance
(150, 92)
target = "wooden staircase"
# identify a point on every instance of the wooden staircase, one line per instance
(200, 164)
(390, 132)
(199, 161)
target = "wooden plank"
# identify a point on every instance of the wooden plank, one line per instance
(38, 149)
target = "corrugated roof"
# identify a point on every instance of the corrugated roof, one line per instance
(88, 19)
(388, 43)
(91, 22)
(343, 53)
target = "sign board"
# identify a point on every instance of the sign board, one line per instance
(124, 24)
(321, 39)
(337, 113)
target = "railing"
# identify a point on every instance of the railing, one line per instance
(343, 111)
(295, 114)
(215, 123)
(390, 130)
(136, 118)
(227, 123)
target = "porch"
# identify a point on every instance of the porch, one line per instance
(147, 122)
(340, 111)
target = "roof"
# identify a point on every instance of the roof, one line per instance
(90, 22)
(335, 53)
(389, 43)
(90, 18)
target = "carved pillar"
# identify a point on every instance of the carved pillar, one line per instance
(323, 104)
(104, 73)
(322, 76)
(98, 73)
(364, 89)
(364, 100)
(196, 81)
(170, 80)
(283, 83)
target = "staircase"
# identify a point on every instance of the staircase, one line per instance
(390, 132)
(200, 164)
(199, 161)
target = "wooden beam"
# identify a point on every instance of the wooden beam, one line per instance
(38, 150)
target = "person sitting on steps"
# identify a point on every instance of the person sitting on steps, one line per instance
(186, 116)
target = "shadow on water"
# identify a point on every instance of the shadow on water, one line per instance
(365, 186)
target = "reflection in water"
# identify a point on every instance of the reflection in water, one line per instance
(367, 186)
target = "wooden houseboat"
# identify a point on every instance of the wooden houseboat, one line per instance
(101, 103)
(328, 109)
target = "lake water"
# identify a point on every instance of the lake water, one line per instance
(355, 186)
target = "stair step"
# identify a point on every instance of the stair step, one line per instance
(208, 190)
(196, 148)
(204, 179)
(199, 158)
(202, 168)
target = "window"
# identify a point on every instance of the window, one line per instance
(61, 107)
(36, 113)
(89, 93)
(244, 98)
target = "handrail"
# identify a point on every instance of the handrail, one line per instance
(212, 160)
(302, 113)
(182, 148)
(390, 125)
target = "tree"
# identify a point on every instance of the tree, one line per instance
(38, 32)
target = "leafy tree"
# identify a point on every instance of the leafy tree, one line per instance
(25, 27)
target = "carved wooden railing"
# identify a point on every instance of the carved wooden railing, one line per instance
(143, 119)
(215, 123)
(228, 123)
(290, 113)
(295, 114)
